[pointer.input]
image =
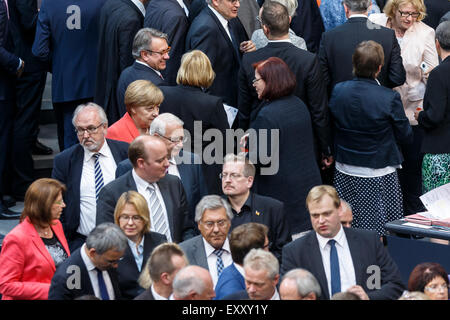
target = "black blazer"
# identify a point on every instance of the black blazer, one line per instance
(369, 123)
(146, 295)
(271, 213)
(192, 104)
(168, 16)
(338, 44)
(297, 168)
(128, 272)
(59, 289)
(207, 34)
(310, 87)
(308, 24)
(436, 9)
(435, 118)
(67, 168)
(132, 73)
(174, 199)
(366, 250)
(119, 22)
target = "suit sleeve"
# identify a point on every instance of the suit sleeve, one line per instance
(282, 232)
(402, 128)
(396, 72)
(8, 61)
(287, 260)
(42, 41)
(12, 261)
(391, 282)
(430, 56)
(435, 102)
(245, 99)
(323, 60)
(106, 204)
(126, 34)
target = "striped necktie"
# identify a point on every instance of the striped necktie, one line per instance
(219, 261)
(98, 175)
(157, 213)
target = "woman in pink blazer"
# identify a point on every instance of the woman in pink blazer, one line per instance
(32, 251)
(142, 100)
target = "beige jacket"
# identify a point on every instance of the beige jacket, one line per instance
(419, 56)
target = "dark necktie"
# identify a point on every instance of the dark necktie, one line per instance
(219, 261)
(98, 176)
(334, 268)
(102, 285)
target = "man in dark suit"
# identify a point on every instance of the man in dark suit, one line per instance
(76, 167)
(70, 41)
(211, 249)
(183, 164)
(304, 64)
(436, 9)
(90, 270)
(342, 259)
(11, 66)
(337, 47)
(237, 178)
(120, 20)
(170, 17)
(161, 268)
(308, 24)
(164, 192)
(151, 51)
(217, 33)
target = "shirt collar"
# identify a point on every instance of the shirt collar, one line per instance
(140, 245)
(358, 15)
(282, 40)
(87, 261)
(276, 295)
(104, 151)
(156, 295)
(339, 238)
(144, 64)
(140, 183)
(140, 6)
(240, 269)
(221, 18)
(209, 249)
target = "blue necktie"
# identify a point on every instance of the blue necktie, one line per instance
(219, 261)
(102, 285)
(98, 176)
(334, 268)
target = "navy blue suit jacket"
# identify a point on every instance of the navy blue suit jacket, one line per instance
(191, 177)
(208, 35)
(132, 73)
(369, 124)
(127, 270)
(366, 250)
(168, 16)
(70, 40)
(59, 289)
(230, 281)
(67, 168)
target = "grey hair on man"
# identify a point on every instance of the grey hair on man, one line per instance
(186, 281)
(249, 167)
(358, 5)
(443, 35)
(305, 282)
(90, 105)
(212, 202)
(143, 40)
(260, 259)
(291, 6)
(159, 124)
(106, 236)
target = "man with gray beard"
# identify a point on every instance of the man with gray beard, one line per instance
(85, 168)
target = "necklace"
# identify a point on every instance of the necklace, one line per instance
(45, 232)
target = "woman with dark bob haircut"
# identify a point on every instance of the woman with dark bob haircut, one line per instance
(431, 279)
(293, 170)
(33, 250)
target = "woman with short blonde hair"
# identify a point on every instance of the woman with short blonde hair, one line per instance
(196, 70)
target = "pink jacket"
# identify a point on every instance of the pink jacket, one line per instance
(26, 266)
(123, 130)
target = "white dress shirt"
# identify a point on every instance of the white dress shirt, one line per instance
(346, 268)
(212, 258)
(142, 185)
(138, 252)
(223, 21)
(88, 203)
(156, 295)
(93, 276)
(173, 169)
(144, 64)
(276, 295)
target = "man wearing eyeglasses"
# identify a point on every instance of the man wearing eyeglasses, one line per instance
(211, 249)
(151, 53)
(85, 168)
(237, 176)
(91, 270)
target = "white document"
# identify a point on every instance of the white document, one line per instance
(437, 202)
(231, 113)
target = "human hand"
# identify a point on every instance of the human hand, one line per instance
(416, 112)
(247, 46)
(20, 71)
(359, 291)
(326, 162)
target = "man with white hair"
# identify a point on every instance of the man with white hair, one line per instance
(299, 284)
(85, 168)
(193, 283)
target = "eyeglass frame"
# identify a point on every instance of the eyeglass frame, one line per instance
(162, 52)
(93, 130)
(211, 224)
(258, 19)
(135, 218)
(170, 139)
(404, 14)
(437, 288)
(256, 80)
(233, 176)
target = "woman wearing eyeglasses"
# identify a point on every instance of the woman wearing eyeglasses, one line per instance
(431, 279)
(33, 250)
(418, 51)
(142, 100)
(132, 216)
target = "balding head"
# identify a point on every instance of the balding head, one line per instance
(345, 214)
(193, 283)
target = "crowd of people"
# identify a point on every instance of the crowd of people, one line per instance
(214, 149)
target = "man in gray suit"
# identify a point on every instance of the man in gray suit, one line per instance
(211, 249)
(164, 192)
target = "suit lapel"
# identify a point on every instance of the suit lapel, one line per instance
(39, 243)
(356, 253)
(76, 162)
(200, 253)
(317, 263)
